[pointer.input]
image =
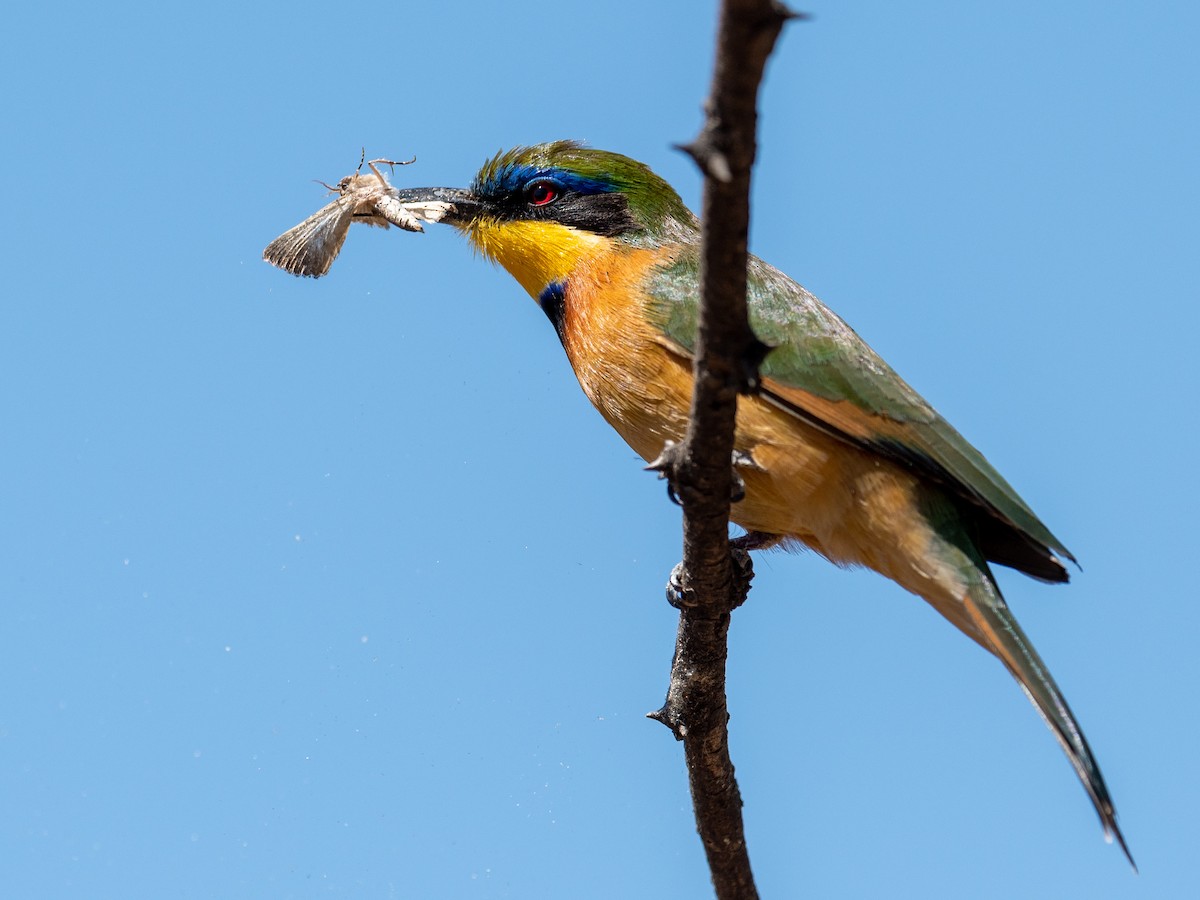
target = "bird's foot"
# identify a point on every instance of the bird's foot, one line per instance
(743, 573)
(677, 595)
(682, 597)
(668, 461)
(755, 540)
(666, 464)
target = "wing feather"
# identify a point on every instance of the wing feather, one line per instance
(823, 373)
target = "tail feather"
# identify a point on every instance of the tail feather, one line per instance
(987, 611)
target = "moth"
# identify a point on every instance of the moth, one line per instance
(311, 247)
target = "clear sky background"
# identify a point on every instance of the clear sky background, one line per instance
(342, 589)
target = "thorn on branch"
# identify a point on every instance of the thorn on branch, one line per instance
(712, 162)
(664, 715)
(787, 14)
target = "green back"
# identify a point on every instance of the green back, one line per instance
(817, 353)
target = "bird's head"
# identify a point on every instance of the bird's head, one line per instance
(539, 211)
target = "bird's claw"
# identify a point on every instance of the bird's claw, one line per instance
(755, 540)
(682, 597)
(741, 460)
(743, 573)
(667, 462)
(679, 596)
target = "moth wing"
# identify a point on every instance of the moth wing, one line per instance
(310, 248)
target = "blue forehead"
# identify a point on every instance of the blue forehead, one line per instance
(510, 179)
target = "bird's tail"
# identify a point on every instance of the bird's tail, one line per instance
(986, 610)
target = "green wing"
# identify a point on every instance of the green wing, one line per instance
(821, 371)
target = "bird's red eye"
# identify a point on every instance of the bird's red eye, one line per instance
(542, 192)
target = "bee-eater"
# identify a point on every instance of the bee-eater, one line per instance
(839, 454)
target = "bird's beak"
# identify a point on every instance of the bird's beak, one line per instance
(453, 206)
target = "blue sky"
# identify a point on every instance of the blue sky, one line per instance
(342, 589)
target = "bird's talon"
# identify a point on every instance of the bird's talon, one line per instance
(737, 487)
(743, 572)
(754, 540)
(742, 459)
(679, 596)
(667, 459)
(665, 465)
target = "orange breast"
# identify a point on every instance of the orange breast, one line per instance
(848, 505)
(643, 391)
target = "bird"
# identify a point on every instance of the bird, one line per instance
(838, 453)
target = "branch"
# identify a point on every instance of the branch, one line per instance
(712, 581)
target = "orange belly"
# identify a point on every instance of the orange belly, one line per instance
(851, 506)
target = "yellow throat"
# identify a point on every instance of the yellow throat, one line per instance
(534, 253)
